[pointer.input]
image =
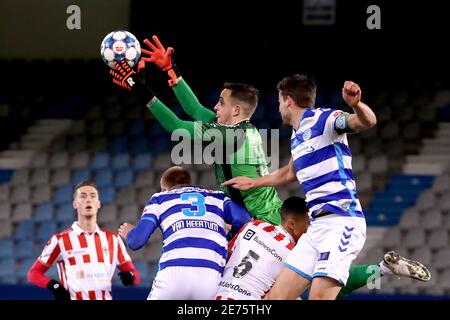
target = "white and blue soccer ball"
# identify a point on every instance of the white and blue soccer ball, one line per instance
(119, 45)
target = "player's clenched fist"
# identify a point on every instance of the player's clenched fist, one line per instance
(351, 93)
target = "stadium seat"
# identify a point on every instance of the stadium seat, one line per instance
(6, 248)
(82, 174)
(422, 254)
(426, 200)
(4, 193)
(23, 267)
(20, 194)
(162, 162)
(441, 259)
(44, 212)
(129, 213)
(5, 210)
(7, 268)
(100, 161)
(40, 176)
(107, 194)
(107, 213)
(104, 177)
(441, 184)
(59, 160)
(23, 249)
(24, 230)
(438, 238)
(123, 178)
(145, 179)
(144, 195)
(120, 145)
(60, 177)
(431, 219)
(45, 231)
(65, 212)
(137, 128)
(414, 238)
(79, 160)
(126, 195)
(41, 194)
(63, 195)
(391, 238)
(40, 160)
(21, 212)
(20, 177)
(410, 219)
(142, 161)
(120, 161)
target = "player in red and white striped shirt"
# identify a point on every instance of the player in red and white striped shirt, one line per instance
(258, 251)
(86, 255)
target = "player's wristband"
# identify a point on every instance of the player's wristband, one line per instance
(174, 75)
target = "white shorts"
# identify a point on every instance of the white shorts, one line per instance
(185, 283)
(328, 248)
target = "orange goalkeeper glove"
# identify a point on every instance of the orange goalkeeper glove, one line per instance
(127, 78)
(162, 58)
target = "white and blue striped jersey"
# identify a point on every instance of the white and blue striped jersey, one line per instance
(323, 163)
(192, 221)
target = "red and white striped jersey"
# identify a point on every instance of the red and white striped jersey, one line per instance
(256, 259)
(86, 262)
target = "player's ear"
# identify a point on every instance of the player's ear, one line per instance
(237, 110)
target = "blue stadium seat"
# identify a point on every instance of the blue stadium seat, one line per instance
(107, 194)
(44, 212)
(65, 212)
(24, 230)
(45, 231)
(83, 174)
(100, 161)
(104, 177)
(7, 267)
(142, 161)
(120, 145)
(6, 248)
(120, 161)
(23, 249)
(140, 144)
(123, 178)
(24, 266)
(137, 127)
(63, 195)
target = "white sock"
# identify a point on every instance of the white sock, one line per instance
(384, 269)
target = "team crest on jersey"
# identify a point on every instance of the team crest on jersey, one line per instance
(249, 234)
(340, 123)
(306, 134)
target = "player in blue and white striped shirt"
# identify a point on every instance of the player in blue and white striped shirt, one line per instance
(321, 162)
(192, 221)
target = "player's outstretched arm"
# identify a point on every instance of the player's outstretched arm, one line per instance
(162, 58)
(363, 118)
(280, 177)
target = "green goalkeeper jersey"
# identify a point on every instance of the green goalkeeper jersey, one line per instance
(239, 151)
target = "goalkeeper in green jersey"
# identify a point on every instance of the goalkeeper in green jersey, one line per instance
(240, 152)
